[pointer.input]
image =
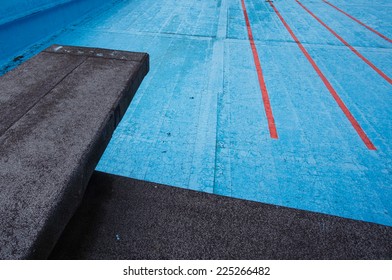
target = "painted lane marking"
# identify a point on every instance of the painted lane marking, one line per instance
(360, 22)
(382, 74)
(330, 88)
(263, 88)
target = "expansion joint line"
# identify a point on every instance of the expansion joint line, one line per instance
(263, 88)
(368, 62)
(329, 86)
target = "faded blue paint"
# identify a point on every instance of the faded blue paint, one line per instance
(198, 120)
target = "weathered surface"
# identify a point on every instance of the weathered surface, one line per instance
(58, 112)
(124, 218)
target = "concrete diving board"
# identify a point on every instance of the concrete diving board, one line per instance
(58, 111)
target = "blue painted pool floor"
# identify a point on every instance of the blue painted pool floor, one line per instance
(198, 119)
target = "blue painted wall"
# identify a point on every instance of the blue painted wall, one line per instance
(23, 22)
(13, 9)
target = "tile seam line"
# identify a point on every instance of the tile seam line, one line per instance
(146, 33)
(361, 133)
(368, 62)
(358, 21)
(263, 87)
(278, 42)
(198, 124)
(212, 38)
(221, 35)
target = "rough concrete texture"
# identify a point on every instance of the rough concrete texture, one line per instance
(58, 112)
(123, 218)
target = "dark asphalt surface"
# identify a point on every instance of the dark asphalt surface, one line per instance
(123, 218)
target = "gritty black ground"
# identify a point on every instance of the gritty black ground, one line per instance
(123, 218)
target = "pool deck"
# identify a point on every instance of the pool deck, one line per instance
(126, 219)
(287, 103)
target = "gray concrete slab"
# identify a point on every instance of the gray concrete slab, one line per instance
(123, 218)
(58, 112)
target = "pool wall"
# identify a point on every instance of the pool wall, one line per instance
(23, 22)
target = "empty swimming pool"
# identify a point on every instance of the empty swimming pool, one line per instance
(285, 102)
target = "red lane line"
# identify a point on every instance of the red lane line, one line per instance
(263, 88)
(333, 92)
(360, 22)
(382, 74)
